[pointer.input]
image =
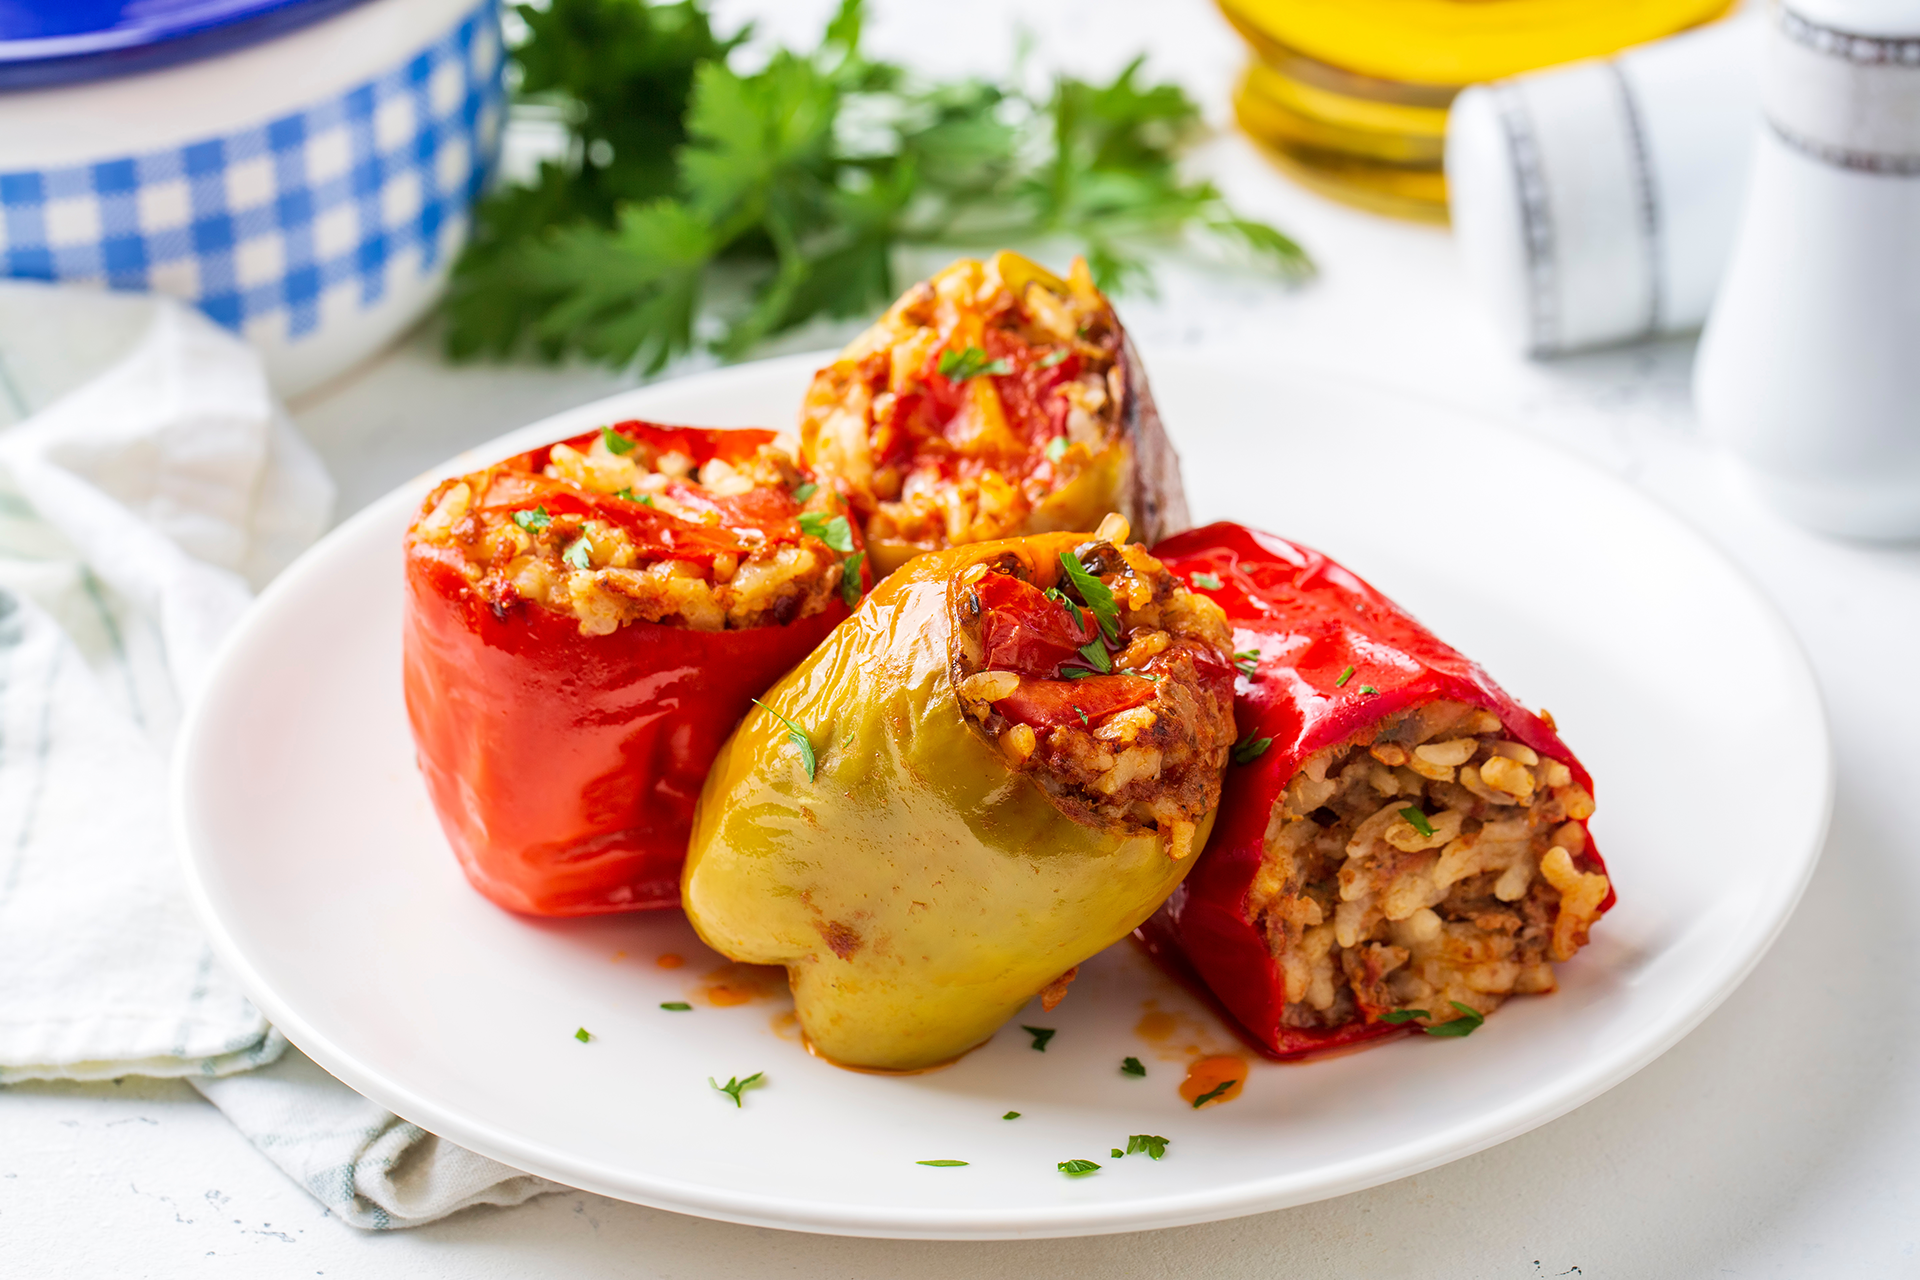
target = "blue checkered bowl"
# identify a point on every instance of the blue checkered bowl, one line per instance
(309, 192)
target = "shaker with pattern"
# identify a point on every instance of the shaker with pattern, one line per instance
(1809, 369)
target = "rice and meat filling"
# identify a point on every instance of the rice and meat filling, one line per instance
(1111, 686)
(621, 530)
(1434, 861)
(979, 393)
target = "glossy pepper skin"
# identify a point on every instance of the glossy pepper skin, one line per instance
(918, 890)
(565, 768)
(1311, 620)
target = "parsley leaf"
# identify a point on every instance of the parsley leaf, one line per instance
(1116, 1153)
(832, 530)
(676, 1006)
(1153, 1146)
(734, 1087)
(1077, 1168)
(1094, 653)
(617, 444)
(1040, 1036)
(1398, 1016)
(798, 736)
(583, 1035)
(1097, 595)
(1417, 820)
(1077, 673)
(533, 521)
(958, 366)
(1048, 361)
(1368, 689)
(1250, 748)
(1248, 660)
(1344, 677)
(805, 491)
(1059, 597)
(1131, 1067)
(577, 554)
(943, 1164)
(1056, 447)
(1205, 581)
(850, 578)
(686, 181)
(1083, 716)
(1011, 1115)
(1213, 1093)
(1465, 1025)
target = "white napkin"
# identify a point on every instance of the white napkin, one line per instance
(148, 484)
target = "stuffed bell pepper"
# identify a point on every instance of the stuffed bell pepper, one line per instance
(1001, 765)
(1401, 845)
(993, 400)
(585, 624)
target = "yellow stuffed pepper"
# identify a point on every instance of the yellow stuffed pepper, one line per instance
(996, 768)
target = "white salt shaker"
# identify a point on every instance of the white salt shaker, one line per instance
(1809, 369)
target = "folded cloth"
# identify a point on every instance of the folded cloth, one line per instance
(1596, 203)
(148, 484)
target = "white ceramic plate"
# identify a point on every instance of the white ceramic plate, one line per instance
(318, 865)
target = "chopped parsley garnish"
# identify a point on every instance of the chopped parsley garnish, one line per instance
(1056, 448)
(676, 1006)
(577, 554)
(1213, 1093)
(1417, 820)
(1131, 1067)
(1077, 673)
(733, 1087)
(1011, 1115)
(583, 1035)
(832, 530)
(1151, 1145)
(1205, 581)
(850, 577)
(1368, 689)
(958, 366)
(1344, 677)
(644, 499)
(616, 443)
(1116, 1153)
(1248, 660)
(1398, 1016)
(805, 491)
(1250, 748)
(1040, 1036)
(1053, 357)
(1059, 597)
(1465, 1025)
(533, 521)
(1098, 597)
(1077, 1168)
(799, 736)
(943, 1164)
(1095, 653)
(1083, 716)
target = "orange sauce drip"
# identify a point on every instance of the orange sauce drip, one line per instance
(1208, 1074)
(1156, 1025)
(668, 961)
(736, 984)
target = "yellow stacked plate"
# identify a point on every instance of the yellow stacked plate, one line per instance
(1351, 96)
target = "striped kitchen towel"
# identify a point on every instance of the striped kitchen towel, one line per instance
(148, 485)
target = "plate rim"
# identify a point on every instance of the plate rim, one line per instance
(1484, 1129)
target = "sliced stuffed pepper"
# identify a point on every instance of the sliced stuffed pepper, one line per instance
(1002, 764)
(991, 401)
(1401, 845)
(585, 624)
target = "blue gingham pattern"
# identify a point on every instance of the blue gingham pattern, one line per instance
(265, 227)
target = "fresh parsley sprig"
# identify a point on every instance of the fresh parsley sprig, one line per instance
(1131, 1067)
(1250, 748)
(1040, 1036)
(533, 521)
(1417, 820)
(798, 180)
(1077, 1168)
(1151, 1145)
(1097, 595)
(797, 735)
(735, 1086)
(1465, 1025)
(959, 366)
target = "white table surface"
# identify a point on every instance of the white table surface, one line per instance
(1779, 1139)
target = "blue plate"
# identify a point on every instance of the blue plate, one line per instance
(47, 42)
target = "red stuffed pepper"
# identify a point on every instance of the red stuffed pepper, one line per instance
(585, 625)
(1401, 846)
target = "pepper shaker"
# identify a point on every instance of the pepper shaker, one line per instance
(1809, 368)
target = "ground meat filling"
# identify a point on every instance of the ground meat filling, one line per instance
(620, 531)
(980, 392)
(1125, 724)
(1436, 861)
